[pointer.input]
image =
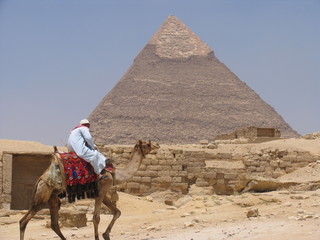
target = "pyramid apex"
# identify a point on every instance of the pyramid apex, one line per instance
(175, 40)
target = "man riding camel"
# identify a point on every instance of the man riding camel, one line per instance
(81, 142)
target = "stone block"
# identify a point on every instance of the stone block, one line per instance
(248, 162)
(126, 155)
(145, 179)
(72, 218)
(152, 174)
(133, 185)
(220, 175)
(155, 161)
(135, 179)
(176, 168)
(209, 175)
(153, 168)
(165, 168)
(194, 169)
(164, 173)
(147, 161)
(177, 179)
(230, 176)
(162, 162)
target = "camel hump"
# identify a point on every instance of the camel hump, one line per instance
(55, 149)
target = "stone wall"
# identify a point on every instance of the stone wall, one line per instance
(250, 133)
(178, 169)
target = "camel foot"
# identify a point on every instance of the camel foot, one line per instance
(106, 236)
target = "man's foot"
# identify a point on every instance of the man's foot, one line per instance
(101, 177)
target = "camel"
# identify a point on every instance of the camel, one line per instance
(47, 192)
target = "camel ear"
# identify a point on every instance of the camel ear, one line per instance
(149, 142)
(140, 142)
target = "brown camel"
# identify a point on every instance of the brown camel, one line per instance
(48, 189)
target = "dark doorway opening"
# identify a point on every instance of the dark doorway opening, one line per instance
(26, 169)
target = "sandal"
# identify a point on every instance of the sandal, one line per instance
(102, 177)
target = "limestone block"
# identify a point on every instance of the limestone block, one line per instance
(191, 175)
(127, 149)
(117, 150)
(261, 169)
(181, 187)
(145, 179)
(220, 175)
(155, 161)
(133, 185)
(201, 183)
(166, 179)
(135, 179)
(251, 169)
(230, 176)
(274, 164)
(151, 156)
(162, 162)
(176, 168)
(248, 162)
(220, 181)
(144, 188)
(143, 167)
(209, 175)
(152, 174)
(147, 161)
(194, 169)
(163, 173)
(160, 155)
(171, 162)
(72, 218)
(182, 173)
(141, 173)
(176, 151)
(126, 155)
(177, 179)
(165, 168)
(153, 168)
(290, 169)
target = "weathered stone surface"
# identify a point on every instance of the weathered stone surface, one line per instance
(174, 65)
(72, 218)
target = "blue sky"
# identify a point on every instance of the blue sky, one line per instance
(59, 58)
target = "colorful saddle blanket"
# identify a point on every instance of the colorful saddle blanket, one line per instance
(80, 177)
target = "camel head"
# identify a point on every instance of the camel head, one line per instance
(146, 147)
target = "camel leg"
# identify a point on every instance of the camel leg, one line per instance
(96, 216)
(41, 195)
(26, 218)
(116, 214)
(54, 204)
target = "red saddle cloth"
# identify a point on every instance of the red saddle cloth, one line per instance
(77, 170)
(80, 177)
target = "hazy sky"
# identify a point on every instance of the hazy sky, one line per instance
(59, 58)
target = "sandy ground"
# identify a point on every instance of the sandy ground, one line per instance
(282, 215)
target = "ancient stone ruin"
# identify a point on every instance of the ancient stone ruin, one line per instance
(177, 91)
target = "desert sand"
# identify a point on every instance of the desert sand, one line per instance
(276, 215)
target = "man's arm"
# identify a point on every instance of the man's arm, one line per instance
(87, 137)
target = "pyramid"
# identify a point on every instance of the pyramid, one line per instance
(177, 91)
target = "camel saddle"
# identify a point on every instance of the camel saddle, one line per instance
(80, 177)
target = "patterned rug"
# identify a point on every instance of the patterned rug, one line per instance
(80, 178)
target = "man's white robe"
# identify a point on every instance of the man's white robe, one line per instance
(81, 142)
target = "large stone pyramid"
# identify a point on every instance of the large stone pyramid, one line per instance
(177, 91)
